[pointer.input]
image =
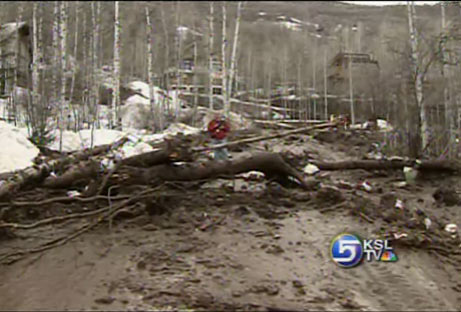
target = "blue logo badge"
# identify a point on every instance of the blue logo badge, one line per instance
(346, 250)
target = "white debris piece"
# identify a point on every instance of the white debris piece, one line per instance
(399, 204)
(16, 151)
(400, 235)
(410, 174)
(400, 184)
(253, 175)
(311, 169)
(73, 194)
(384, 125)
(366, 186)
(451, 228)
(427, 223)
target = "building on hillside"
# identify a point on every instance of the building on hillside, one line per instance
(15, 56)
(190, 77)
(364, 73)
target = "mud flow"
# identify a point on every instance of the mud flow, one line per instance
(241, 244)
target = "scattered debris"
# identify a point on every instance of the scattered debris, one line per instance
(451, 228)
(311, 169)
(410, 175)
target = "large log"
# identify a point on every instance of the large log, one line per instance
(82, 173)
(271, 164)
(425, 165)
(38, 173)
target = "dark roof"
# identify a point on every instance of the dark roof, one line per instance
(356, 58)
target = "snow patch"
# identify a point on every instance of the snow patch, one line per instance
(136, 110)
(17, 151)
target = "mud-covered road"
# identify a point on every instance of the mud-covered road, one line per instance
(222, 246)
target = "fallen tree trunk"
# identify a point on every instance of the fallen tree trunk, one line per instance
(289, 121)
(264, 138)
(38, 173)
(168, 151)
(272, 165)
(426, 165)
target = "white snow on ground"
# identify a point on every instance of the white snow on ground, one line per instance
(137, 144)
(136, 108)
(382, 124)
(172, 130)
(73, 141)
(16, 151)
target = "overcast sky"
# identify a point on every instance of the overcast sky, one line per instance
(381, 3)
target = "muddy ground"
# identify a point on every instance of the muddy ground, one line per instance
(246, 245)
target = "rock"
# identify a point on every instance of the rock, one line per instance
(275, 250)
(150, 228)
(141, 265)
(297, 284)
(329, 194)
(388, 201)
(446, 195)
(105, 300)
(301, 197)
(269, 289)
(241, 211)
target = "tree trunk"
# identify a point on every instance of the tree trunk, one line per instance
(427, 165)
(194, 113)
(211, 48)
(325, 84)
(155, 112)
(63, 53)
(178, 59)
(17, 62)
(75, 108)
(224, 61)
(234, 50)
(35, 60)
(418, 77)
(166, 62)
(272, 165)
(116, 73)
(56, 52)
(38, 173)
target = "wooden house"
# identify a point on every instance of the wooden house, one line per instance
(15, 56)
(339, 66)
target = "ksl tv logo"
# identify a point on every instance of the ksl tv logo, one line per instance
(348, 250)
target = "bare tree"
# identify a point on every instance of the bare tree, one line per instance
(449, 118)
(234, 50)
(418, 75)
(17, 61)
(74, 71)
(116, 72)
(63, 53)
(325, 83)
(167, 58)
(224, 62)
(211, 47)
(154, 107)
(35, 75)
(55, 49)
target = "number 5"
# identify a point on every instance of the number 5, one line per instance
(348, 245)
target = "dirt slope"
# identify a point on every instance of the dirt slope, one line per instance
(217, 249)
